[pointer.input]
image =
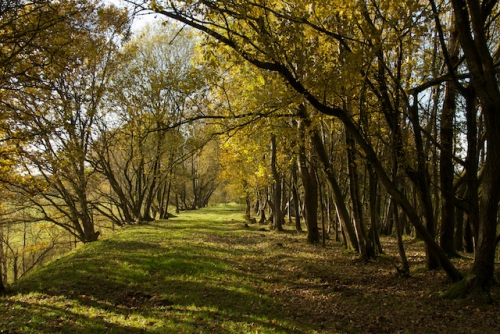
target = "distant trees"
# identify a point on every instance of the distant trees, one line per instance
(145, 145)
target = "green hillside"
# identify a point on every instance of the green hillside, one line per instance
(206, 272)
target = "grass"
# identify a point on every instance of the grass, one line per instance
(205, 272)
(168, 276)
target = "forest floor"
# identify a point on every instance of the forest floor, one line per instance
(206, 272)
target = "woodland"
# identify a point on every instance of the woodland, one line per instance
(353, 124)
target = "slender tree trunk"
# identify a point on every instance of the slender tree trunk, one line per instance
(311, 205)
(398, 224)
(295, 194)
(248, 206)
(373, 234)
(447, 170)
(177, 208)
(310, 185)
(164, 201)
(2, 262)
(405, 270)
(472, 165)
(25, 245)
(289, 204)
(277, 191)
(2, 286)
(323, 227)
(468, 236)
(484, 260)
(194, 184)
(262, 210)
(459, 232)
(283, 200)
(15, 265)
(389, 218)
(357, 208)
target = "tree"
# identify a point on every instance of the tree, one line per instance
(475, 23)
(309, 179)
(58, 117)
(28, 30)
(447, 171)
(277, 189)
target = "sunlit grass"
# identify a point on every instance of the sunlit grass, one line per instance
(185, 274)
(206, 271)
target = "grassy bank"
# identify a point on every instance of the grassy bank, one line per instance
(206, 272)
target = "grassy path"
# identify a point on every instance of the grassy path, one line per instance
(205, 272)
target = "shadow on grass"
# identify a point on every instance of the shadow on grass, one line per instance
(33, 317)
(152, 278)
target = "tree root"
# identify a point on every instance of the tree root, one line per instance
(468, 288)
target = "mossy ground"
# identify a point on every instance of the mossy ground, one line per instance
(206, 272)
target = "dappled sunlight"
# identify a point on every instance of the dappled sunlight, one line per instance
(195, 275)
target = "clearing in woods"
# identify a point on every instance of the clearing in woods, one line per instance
(206, 272)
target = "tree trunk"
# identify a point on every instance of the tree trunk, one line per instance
(447, 170)
(262, 210)
(194, 184)
(248, 207)
(472, 166)
(2, 262)
(323, 227)
(277, 191)
(84, 221)
(374, 210)
(389, 218)
(357, 207)
(405, 270)
(468, 236)
(177, 209)
(295, 194)
(484, 261)
(471, 18)
(459, 230)
(164, 201)
(311, 205)
(310, 185)
(2, 286)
